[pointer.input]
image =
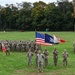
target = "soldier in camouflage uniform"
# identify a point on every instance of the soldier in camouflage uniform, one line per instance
(65, 55)
(29, 55)
(19, 46)
(7, 49)
(14, 45)
(40, 61)
(55, 56)
(46, 53)
(74, 47)
(36, 58)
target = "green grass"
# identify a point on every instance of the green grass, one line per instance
(16, 63)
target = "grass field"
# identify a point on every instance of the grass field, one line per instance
(16, 63)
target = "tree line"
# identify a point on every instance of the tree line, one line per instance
(28, 16)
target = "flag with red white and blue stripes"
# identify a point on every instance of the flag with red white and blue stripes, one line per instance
(40, 39)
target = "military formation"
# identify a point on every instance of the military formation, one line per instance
(20, 46)
(41, 58)
(32, 49)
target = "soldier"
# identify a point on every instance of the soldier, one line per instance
(31, 46)
(7, 49)
(65, 55)
(27, 46)
(14, 45)
(55, 54)
(74, 47)
(40, 61)
(46, 53)
(19, 45)
(23, 47)
(36, 58)
(29, 55)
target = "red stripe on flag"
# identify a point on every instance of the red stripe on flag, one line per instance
(42, 42)
(39, 41)
(63, 41)
(46, 44)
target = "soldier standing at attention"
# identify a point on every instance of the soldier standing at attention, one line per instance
(29, 55)
(55, 56)
(65, 55)
(36, 58)
(46, 53)
(40, 61)
(7, 49)
(74, 47)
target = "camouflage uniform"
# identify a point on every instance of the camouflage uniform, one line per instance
(74, 47)
(19, 46)
(55, 53)
(7, 49)
(40, 61)
(29, 55)
(65, 55)
(36, 58)
(46, 53)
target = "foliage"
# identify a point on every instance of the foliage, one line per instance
(27, 16)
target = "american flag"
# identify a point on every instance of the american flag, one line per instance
(40, 39)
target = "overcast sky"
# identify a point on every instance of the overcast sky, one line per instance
(3, 2)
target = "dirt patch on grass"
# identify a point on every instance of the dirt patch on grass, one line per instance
(43, 73)
(20, 72)
(56, 72)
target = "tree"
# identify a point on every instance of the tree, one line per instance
(38, 14)
(24, 19)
